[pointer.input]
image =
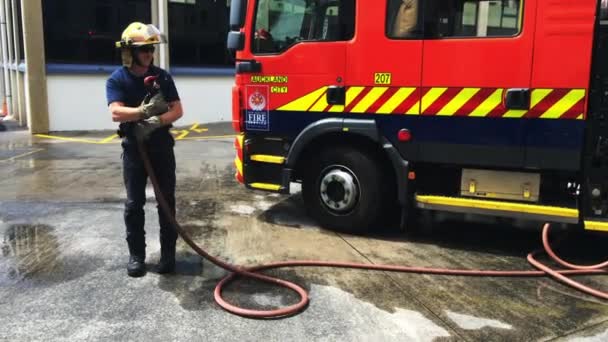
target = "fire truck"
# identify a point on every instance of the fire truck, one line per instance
(492, 107)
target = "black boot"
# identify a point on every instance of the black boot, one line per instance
(136, 266)
(167, 258)
(137, 257)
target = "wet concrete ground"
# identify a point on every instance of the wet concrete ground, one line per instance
(63, 256)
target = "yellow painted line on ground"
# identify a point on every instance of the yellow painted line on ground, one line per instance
(210, 137)
(195, 128)
(108, 139)
(55, 137)
(181, 133)
(21, 155)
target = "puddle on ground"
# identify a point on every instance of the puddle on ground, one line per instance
(468, 322)
(27, 251)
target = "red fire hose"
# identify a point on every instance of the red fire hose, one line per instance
(252, 272)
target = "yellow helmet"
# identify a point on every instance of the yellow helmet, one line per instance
(139, 34)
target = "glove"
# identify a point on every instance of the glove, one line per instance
(144, 128)
(156, 106)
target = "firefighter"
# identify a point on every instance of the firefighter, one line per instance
(406, 19)
(149, 123)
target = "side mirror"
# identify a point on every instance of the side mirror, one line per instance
(238, 10)
(236, 41)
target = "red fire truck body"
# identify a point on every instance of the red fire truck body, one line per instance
(491, 107)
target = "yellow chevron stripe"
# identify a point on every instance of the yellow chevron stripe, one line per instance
(401, 95)
(430, 98)
(515, 113)
(564, 104)
(488, 105)
(458, 101)
(351, 94)
(539, 95)
(303, 103)
(240, 139)
(239, 165)
(369, 99)
(415, 110)
(580, 117)
(320, 105)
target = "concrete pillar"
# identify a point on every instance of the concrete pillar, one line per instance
(155, 22)
(17, 90)
(163, 21)
(5, 56)
(37, 107)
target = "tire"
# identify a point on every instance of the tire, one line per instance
(371, 185)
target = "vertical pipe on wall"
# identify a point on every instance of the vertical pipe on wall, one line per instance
(18, 108)
(5, 58)
(8, 12)
(156, 22)
(163, 20)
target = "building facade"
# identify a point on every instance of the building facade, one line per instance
(57, 54)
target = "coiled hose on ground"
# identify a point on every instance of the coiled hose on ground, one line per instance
(253, 272)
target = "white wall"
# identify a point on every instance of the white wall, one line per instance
(78, 102)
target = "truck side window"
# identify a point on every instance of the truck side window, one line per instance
(279, 24)
(402, 19)
(472, 18)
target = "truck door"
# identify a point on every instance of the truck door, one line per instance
(295, 55)
(384, 65)
(594, 208)
(477, 62)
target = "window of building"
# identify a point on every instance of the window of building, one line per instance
(198, 31)
(280, 24)
(84, 32)
(453, 18)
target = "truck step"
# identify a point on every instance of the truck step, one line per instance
(265, 186)
(498, 208)
(265, 158)
(599, 226)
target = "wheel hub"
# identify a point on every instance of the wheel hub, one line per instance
(339, 190)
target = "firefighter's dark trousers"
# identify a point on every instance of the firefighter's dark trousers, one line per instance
(162, 158)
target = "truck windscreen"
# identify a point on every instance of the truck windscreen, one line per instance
(280, 24)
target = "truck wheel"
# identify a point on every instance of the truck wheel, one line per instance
(345, 189)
